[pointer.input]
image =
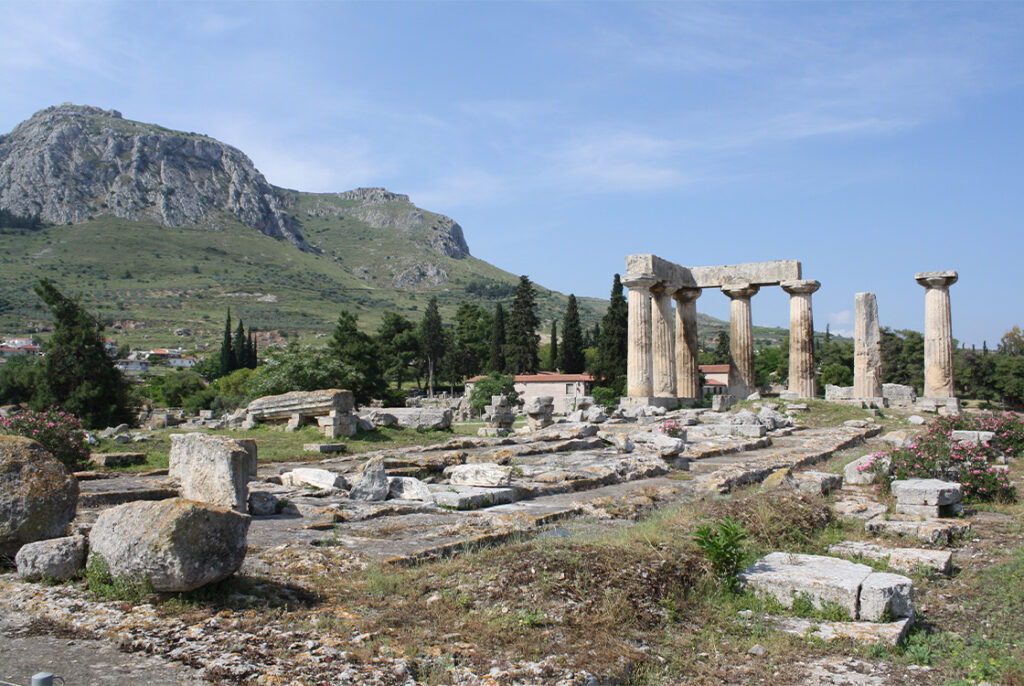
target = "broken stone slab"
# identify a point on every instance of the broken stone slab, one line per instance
(932, 492)
(884, 597)
(930, 511)
(857, 423)
(721, 403)
(422, 418)
(117, 459)
(492, 432)
(747, 430)
(817, 483)
(943, 531)
(864, 633)
(973, 437)
(822, 579)
(898, 439)
(471, 497)
(858, 473)
(772, 419)
(325, 448)
(175, 544)
(380, 417)
(372, 483)
(915, 419)
(263, 503)
(54, 558)
(859, 507)
(302, 403)
(318, 478)
(212, 469)
(907, 560)
(408, 488)
(485, 474)
(797, 407)
(595, 415)
(38, 495)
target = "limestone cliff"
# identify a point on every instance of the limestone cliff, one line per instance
(68, 163)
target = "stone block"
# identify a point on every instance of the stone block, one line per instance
(748, 430)
(907, 560)
(721, 403)
(326, 448)
(263, 503)
(479, 474)
(54, 558)
(117, 459)
(471, 497)
(817, 483)
(422, 418)
(943, 406)
(408, 488)
(915, 419)
(857, 473)
(211, 469)
(301, 403)
(372, 483)
(884, 597)
(833, 393)
(899, 395)
(926, 492)
(929, 511)
(317, 478)
(38, 495)
(822, 579)
(492, 432)
(973, 437)
(897, 439)
(862, 633)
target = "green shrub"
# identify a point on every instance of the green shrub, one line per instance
(494, 384)
(103, 585)
(722, 544)
(58, 431)
(605, 397)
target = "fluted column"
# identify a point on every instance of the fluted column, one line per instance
(687, 371)
(664, 342)
(938, 333)
(801, 336)
(742, 379)
(867, 347)
(640, 363)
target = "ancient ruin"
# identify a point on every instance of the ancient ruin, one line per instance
(662, 365)
(938, 342)
(331, 409)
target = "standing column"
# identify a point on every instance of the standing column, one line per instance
(742, 379)
(867, 347)
(687, 371)
(639, 366)
(938, 333)
(663, 324)
(801, 336)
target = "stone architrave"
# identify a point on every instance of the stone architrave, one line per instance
(664, 343)
(938, 333)
(640, 361)
(867, 348)
(687, 370)
(742, 379)
(801, 337)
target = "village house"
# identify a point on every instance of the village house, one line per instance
(130, 365)
(182, 362)
(563, 388)
(716, 378)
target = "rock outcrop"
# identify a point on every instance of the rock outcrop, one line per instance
(69, 163)
(38, 495)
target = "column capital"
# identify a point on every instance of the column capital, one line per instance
(636, 281)
(740, 290)
(686, 294)
(943, 279)
(800, 286)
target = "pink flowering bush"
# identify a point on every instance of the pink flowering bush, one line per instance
(672, 428)
(935, 455)
(58, 431)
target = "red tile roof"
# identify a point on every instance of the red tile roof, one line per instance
(541, 377)
(714, 368)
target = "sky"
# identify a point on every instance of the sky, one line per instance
(868, 140)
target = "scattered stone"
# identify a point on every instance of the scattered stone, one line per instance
(479, 474)
(748, 430)
(408, 488)
(365, 424)
(117, 459)
(324, 447)
(175, 544)
(757, 650)
(864, 633)
(897, 439)
(471, 497)
(817, 483)
(318, 478)
(622, 443)
(797, 407)
(915, 419)
(538, 410)
(721, 403)
(263, 504)
(885, 597)
(372, 483)
(973, 437)
(381, 417)
(596, 415)
(422, 418)
(856, 423)
(907, 560)
(54, 558)
(854, 474)
(212, 469)
(38, 495)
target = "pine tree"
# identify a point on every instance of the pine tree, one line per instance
(496, 356)
(76, 374)
(239, 356)
(432, 341)
(226, 355)
(359, 353)
(522, 354)
(612, 346)
(252, 355)
(553, 348)
(572, 360)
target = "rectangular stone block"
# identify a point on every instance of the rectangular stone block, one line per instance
(756, 273)
(926, 492)
(211, 469)
(326, 448)
(929, 511)
(784, 576)
(884, 597)
(471, 497)
(748, 430)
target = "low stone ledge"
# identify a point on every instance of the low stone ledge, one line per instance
(117, 459)
(864, 633)
(906, 560)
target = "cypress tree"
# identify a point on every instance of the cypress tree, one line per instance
(239, 356)
(612, 346)
(76, 374)
(226, 356)
(553, 349)
(251, 359)
(496, 356)
(432, 341)
(572, 359)
(522, 354)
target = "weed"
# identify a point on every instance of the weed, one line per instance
(722, 544)
(102, 584)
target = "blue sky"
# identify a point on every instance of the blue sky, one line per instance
(868, 140)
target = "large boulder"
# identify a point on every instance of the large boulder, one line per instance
(174, 544)
(372, 484)
(213, 469)
(38, 495)
(54, 558)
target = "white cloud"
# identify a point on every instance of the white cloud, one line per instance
(623, 161)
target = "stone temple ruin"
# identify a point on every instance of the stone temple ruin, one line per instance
(662, 367)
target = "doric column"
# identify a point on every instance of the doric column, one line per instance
(687, 371)
(742, 379)
(664, 342)
(938, 333)
(801, 336)
(640, 363)
(867, 347)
